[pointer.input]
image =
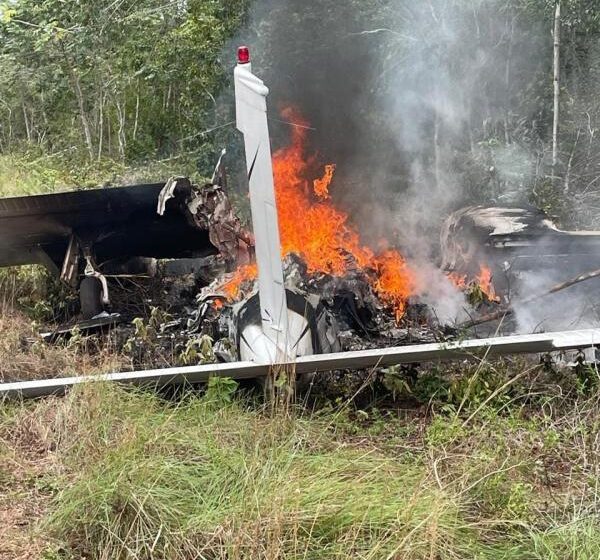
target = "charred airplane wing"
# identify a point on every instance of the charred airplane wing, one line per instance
(113, 223)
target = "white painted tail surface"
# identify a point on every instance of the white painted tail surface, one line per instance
(272, 341)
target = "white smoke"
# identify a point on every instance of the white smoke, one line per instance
(447, 89)
(416, 102)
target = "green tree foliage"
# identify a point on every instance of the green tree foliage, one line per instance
(123, 79)
(132, 80)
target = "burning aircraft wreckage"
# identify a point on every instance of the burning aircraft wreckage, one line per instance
(297, 293)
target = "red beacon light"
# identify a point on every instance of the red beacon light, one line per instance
(243, 55)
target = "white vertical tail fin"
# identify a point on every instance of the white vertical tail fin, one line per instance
(251, 114)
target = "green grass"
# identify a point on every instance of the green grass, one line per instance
(126, 474)
(34, 172)
(492, 461)
(189, 478)
(579, 540)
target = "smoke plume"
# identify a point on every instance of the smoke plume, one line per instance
(417, 103)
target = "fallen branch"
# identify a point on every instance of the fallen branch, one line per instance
(509, 310)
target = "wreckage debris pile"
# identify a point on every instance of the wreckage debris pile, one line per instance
(369, 296)
(362, 319)
(198, 325)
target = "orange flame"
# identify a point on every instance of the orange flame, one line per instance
(320, 233)
(244, 273)
(321, 186)
(459, 280)
(395, 282)
(484, 280)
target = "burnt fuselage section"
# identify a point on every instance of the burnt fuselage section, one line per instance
(515, 240)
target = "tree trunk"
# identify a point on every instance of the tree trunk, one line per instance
(10, 126)
(82, 114)
(44, 117)
(7, 135)
(121, 132)
(109, 136)
(556, 88)
(137, 110)
(76, 84)
(507, 79)
(570, 164)
(27, 124)
(101, 125)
